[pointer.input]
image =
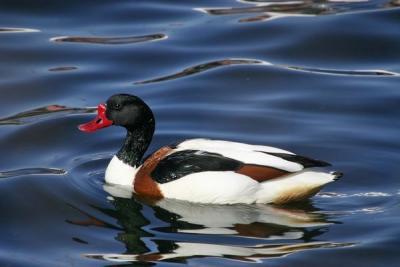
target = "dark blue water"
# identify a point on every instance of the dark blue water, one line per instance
(320, 78)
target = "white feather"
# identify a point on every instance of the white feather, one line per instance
(230, 187)
(212, 187)
(200, 143)
(120, 173)
(302, 183)
(248, 154)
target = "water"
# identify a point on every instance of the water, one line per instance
(320, 78)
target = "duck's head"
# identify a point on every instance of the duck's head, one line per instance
(124, 110)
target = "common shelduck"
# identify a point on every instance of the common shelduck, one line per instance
(203, 170)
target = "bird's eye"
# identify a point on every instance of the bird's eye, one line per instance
(117, 106)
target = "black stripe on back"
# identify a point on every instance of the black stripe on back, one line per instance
(186, 162)
(306, 162)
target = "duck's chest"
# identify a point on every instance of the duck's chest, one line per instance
(118, 172)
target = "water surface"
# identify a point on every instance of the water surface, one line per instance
(320, 78)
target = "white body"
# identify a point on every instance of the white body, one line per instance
(231, 188)
(228, 187)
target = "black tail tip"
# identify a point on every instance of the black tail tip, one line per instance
(337, 175)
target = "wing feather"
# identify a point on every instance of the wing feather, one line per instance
(259, 163)
(248, 154)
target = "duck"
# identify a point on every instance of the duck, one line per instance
(203, 170)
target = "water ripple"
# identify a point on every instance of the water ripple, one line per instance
(34, 114)
(343, 72)
(63, 68)
(32, 171)
(90, 220)
(362, 194)
(284, 7)
(235, 253)
(17, 30)
(110, 40)
(202, 68)
(270, 16)
(270, 9)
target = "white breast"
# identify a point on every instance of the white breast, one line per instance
(120, 173)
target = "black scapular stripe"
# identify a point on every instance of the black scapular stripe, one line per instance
(306, 162)
(185, 162)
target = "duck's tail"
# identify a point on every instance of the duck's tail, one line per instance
(295, 187)
(337, 175)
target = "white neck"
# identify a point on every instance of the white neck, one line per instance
(120, 173)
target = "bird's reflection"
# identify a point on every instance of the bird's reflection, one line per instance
(264, 221)
(172, 230)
